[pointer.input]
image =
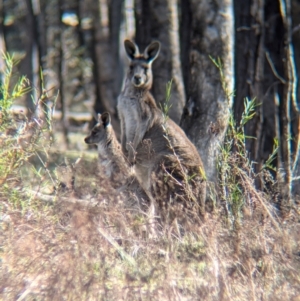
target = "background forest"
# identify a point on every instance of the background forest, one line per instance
(67, 234)
(79, 47)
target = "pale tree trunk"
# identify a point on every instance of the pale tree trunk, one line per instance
(158, 20)
(289, 148)
(178, 100)
(206, 113)
(295, 11)
(33, 60)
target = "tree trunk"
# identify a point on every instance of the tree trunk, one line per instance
(33, 61)
(264, 60)
(158, 20)
(2, 43)
(42, 30)
(61, 68)
(105, 59)
(295, 11)
(289, 144)
(206, 113)
(250, 63)
(115, 20)
(106, 55)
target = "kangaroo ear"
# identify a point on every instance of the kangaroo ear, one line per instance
(131, 49)
(105, 117)
(152, 51)
(99, 117)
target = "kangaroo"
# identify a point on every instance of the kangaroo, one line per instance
(166, 162)
(169, 166)
(112, 159)
(109, 150)
(136, 105)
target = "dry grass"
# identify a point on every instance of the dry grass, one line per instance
(66, 234)
(61, 248)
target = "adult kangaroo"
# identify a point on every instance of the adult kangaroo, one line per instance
(166, 162)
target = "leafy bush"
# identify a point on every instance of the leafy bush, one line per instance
(21, 137)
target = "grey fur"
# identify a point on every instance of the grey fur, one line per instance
(156, 145)
(135, 103)
(109, 150)
(112, 159)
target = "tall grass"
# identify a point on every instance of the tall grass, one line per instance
(86, 243)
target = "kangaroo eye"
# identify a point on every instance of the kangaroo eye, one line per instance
(130, 67)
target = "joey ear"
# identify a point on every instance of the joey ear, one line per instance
(152, 51)
(131, 49)
(105, 117)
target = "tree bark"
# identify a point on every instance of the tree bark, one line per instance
(106, 54)
(115, 19)
(249, 68)
(105, 58)
(33, 60)
(265, 61)
(289, 148)
(61, 68)
(2, 43)
(206, 113)
(295, 16)
(42, 30)
(158, 20)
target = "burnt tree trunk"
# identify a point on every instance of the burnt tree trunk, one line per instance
(115, 19)
(158, 20)
(250, 64)
(208, 32)
(41, 18)
(265, 70)
(2, 43)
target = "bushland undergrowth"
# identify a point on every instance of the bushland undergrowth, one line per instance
(66, 234)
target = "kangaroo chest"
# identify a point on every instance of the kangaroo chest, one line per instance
(131, 104)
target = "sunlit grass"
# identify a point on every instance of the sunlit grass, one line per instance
(66, 234)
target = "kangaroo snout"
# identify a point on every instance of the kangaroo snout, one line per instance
(137, 80)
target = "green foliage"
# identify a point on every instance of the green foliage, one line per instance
(234, 164)
(218, 63)
(268, 164)
(249, 111)
(20, 137)
(10, 94)
(236, 174)
(236, 135)
(166, 106)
